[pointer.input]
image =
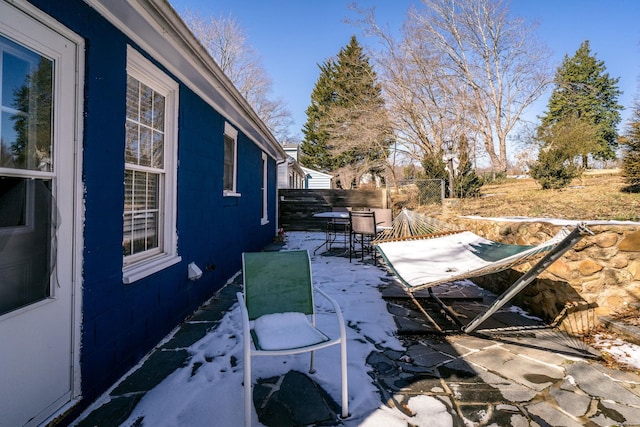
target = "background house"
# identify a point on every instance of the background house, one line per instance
(290, 173)
(318, 180)
(123, 140)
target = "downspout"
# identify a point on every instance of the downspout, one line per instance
(276, 231)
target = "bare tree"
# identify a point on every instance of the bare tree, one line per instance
(226, 42)
(425, 105)
(461, 68)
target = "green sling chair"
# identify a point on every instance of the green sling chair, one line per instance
(278, 314)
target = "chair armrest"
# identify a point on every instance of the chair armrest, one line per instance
(338, 311)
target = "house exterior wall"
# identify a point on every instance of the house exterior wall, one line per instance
(317, 180)
(121, 323)
(283, 175)
(291, 175)
(318, 183)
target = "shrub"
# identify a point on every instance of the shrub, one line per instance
(493, 177)
(553, 170)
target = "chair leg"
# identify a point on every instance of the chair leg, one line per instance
(372, 250)
(312, 370)
(247, 390)
(374, 253)
(350, 244)
(345, 387)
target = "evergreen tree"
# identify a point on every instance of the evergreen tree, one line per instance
(347, 130)
(314, 153)
(435, 167)
(466, 183)
(584, 97)
(631, 153)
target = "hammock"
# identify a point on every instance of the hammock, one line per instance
(410, 225)
(423, 260)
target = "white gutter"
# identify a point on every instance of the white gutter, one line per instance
(157, 28)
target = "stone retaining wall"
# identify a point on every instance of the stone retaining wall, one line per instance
(601, 273)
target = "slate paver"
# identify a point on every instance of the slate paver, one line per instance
(155, 369)
(576, 404)
(112, 413)
(188, 334)
(628, 414)
(592, 382)
(508, 365)
(426, 356)
(552, 415)
(295, 400)
(465, 344)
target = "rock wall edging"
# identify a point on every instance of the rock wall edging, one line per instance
(602, 271)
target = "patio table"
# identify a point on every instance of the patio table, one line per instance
(330, 233)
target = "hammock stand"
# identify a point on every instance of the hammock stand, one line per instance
(423, 252)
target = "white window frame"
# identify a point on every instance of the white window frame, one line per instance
(232, 133)
(265, 191)
(140, 265)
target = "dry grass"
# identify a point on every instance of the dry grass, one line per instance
(595, 196)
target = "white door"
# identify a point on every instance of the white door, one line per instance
(38, 192)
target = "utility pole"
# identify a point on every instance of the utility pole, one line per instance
(449, 158)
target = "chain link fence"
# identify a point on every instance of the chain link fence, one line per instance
(418, 192)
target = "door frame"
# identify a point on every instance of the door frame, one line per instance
(77, 211)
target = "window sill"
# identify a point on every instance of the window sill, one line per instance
(230, 194)
(141, 270)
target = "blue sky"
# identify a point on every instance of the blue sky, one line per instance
(293, 36)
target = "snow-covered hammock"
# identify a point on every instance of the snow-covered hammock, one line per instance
(424, 253)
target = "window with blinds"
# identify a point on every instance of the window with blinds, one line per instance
(230, 167)
(149, 238)
(144, 168)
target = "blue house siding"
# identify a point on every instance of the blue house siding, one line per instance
(121, 323)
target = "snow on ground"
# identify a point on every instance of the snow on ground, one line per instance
(555, 221)
(209, 390)
(622, 351)
(214, 393)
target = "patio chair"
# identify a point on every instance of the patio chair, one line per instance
(384, 218)
(363, 231)
(278, 314)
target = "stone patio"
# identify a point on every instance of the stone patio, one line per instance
(515, 371)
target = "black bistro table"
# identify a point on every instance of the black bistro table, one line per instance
(334, 221)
